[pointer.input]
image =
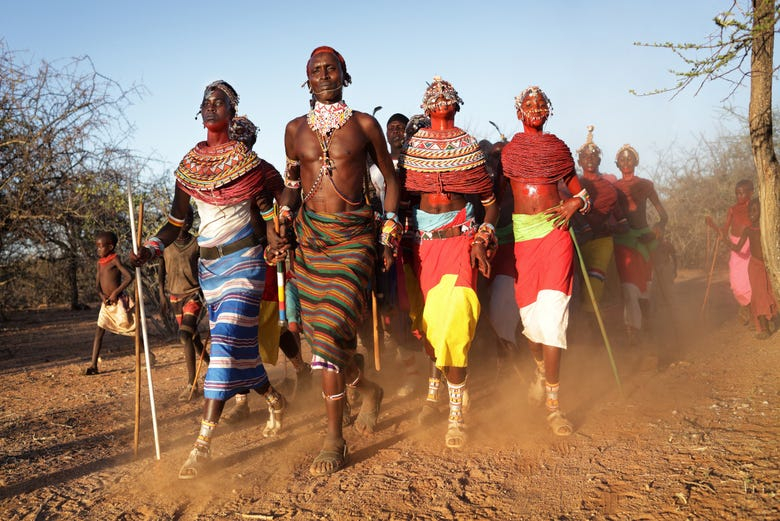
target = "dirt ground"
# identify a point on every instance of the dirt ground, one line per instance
(693, 435)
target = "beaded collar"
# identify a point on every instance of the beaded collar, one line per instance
(108, 258)
(323, 118)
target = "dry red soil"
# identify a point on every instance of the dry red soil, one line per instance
(692, 435)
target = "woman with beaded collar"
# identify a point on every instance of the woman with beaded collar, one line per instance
(226, 180)
(443, 164)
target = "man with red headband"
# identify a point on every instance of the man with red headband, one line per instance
(535, 162)
(443, 164)
(327, 151)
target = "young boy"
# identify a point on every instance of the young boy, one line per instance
(179, 278)
(736, 221)
(111, 280)
(763, 306)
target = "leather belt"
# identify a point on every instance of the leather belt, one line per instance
(215, 252)
(446, 233)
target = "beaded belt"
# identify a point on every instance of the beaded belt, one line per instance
(446, 233)
(215, 252)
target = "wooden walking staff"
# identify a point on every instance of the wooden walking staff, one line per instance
(592, 295)
(140, 304)
(709, 276)
(137, 318)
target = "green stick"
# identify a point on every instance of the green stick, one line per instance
(597, 311)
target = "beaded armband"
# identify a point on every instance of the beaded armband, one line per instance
(390, 234)
(155, 246)
(267, 215)
(175, 222)
(586, 203)
(486, 236)
(295, 184)
(285, 215)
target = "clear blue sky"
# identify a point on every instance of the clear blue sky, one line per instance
(580, 52)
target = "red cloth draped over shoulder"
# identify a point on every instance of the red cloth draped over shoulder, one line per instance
(226, 174)
(536, 159)
(440, 161)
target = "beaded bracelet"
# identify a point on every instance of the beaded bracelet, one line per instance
(295, 184)
(285, 214)
(267, 215)
(390, 234)
(586, 202)
(486, 236)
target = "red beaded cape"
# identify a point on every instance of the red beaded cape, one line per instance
(536, 159)
(439, 161)
(224, 174)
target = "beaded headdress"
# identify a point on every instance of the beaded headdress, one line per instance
(243, 130)
(630, 149)
(440, 94)
(589, 147)
(226, 88)
(532, 91)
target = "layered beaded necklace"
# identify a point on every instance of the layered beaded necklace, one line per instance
(324, 120)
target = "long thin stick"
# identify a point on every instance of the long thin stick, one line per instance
(709, 276)
(592, 295)
(197, 372)
(137, 316)
(375, 316)
(280, 277)
(140, 304)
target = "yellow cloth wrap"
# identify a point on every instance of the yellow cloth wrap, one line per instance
(596, 254)
(450, 320)
(268, 331)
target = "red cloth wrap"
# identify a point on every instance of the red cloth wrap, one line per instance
(536, 159)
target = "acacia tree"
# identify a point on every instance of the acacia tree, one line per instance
(64, 166)
(745, 36)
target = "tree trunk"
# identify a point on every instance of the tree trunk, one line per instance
(760, 115)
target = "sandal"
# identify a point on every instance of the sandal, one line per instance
(559, 424)
(275, 416)
(91, 370)
(196, 462)
(329, 460)
(365, 423)
(456, 435)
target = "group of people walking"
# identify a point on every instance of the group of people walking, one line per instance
(449, 211)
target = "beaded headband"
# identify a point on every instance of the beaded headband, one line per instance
(629, 148)
(440, 94)
(325, 49)
(589, 147)
(532, 91)
(225, 87)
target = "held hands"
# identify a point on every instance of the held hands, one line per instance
(388, 259)
(561, 213)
